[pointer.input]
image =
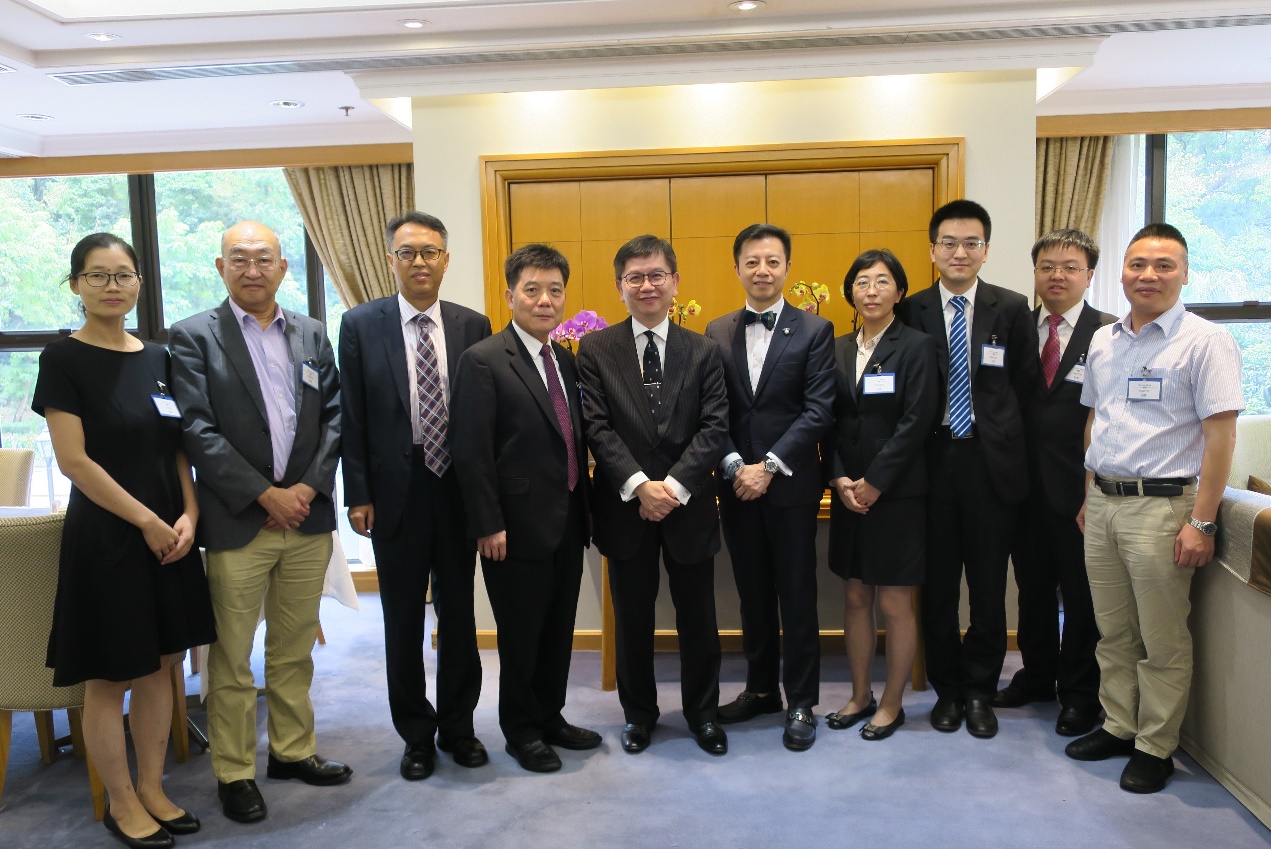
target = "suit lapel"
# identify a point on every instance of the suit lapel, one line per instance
(672, 380)
(847, 364)
(985, 318)
(523, 366)
(931, 317)
(787, 325)
(295, 340)
(1078, 344)
(629, 372)
(739, 353)
(456, 338)
(229, 335)
(389, 325)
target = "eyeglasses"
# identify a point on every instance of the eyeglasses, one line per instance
(409, 254)
(239, 264)
(1065, 270)
(969, 245)
(865, 285)
(98, 279)
(635, 279)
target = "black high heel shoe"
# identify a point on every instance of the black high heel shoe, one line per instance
(160, 839)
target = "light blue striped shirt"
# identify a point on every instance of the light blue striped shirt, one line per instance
(276, 374)
(1198, 364)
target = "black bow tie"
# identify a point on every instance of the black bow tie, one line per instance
(768, 318)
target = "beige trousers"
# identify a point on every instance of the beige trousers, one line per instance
(1141, 602)
(284, 570)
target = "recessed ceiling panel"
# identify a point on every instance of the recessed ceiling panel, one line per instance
(75, 10)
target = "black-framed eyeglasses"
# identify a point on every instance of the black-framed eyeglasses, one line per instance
(409, 254)
(239, 264)
(1065, 270)
(635, 279)
(969, 245)
(98, 279)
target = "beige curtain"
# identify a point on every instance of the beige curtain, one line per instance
(1072, 179)
(345, 209)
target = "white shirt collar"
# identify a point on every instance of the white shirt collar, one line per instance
(531, 344)
(242, 315)
(659, 331)
(1070, 316)
(775, 309)
(946, 295)
(408, 311)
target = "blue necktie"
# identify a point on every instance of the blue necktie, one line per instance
(959, 371)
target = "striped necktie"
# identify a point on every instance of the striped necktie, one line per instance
(959, 371)
(432, 400)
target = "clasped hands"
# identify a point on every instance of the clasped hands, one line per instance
(856, 495)
(287, 506)
(657, 500)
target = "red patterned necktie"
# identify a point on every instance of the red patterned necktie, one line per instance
(432, 400)
(561, 406)
(1050, 351)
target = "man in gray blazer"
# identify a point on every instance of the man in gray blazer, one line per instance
(260, 407)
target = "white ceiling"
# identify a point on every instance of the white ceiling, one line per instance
(1221, 58)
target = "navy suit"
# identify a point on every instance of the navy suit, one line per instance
(420, 526)
(772, 539)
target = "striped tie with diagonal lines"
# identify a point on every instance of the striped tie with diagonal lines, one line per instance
(432, 400)
(959, 371)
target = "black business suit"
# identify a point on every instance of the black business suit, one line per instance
(977, 487)
(685, 441)
(882, 438)
(419, 524)
(511, 454)
(772, 539)
(1050, 550)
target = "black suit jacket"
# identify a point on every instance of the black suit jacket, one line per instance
(881, 436)
(375, 400)
(509, 449)
(790, 411)
(686, 441)
(1056, 422)
(998, 395)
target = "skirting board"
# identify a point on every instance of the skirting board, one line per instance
(831, 641)
(1257, 806)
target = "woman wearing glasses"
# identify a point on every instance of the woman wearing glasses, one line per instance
(131, 592)
(886, 404)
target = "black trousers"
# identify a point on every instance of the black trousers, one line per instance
(1050, 555)
(633, 584)
(430, 539)
(773, 550)
(969, 528)
(534, 604)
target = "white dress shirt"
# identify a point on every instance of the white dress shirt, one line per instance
(758, 341)
(535, 348)
(410, 335)
(969, 311)
(1065, 327)
(628, 490)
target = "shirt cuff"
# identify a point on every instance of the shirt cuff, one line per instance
(627, 491)
(727, 461)
(680, 492)
(785, 470)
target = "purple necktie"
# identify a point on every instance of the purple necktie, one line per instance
(432, 400)
(1050, 351)
(561, 406)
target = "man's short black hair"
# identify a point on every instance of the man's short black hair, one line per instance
(640, 247)
(1068, 238)
(760, 231)
(961, 208)
(1168, 232)
(423, 219)
(534, 256)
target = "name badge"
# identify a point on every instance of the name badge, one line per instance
(1144, 389)
(879, 384)
(166, 405)
(1078, 374)
(993, 355)
(309, 375)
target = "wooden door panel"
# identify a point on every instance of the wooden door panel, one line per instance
(707, 276)
(896, 199)
(716, 206)
(601, 293)
(545, 212)
(824, 258)
(624, 209)
(823, 202)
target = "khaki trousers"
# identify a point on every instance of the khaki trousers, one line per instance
(1141, 603)
(284, 570)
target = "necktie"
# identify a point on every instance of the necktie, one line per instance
(432, 400)
(561, 406)
(1050, 351)
(768, 318)
(959, 371)
(652, 374)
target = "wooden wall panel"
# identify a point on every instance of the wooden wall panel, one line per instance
(822, 202)
(896, 199)
(602, 295)
(707, 276)
(716, 206)
(624, 209)
(545, 212)
(912, 249)
(824, 258)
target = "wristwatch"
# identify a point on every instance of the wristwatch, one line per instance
(1206, 528)
(731, 471)
(770, 466)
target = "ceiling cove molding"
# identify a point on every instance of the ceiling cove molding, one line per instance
(649, 49)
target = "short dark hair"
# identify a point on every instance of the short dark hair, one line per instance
(1168, 232)
(534, 256)
(961, 208)
(873, 257)
(88, 244)
(642, 246)
(423, 219)
(1068, 238)
(761, 231)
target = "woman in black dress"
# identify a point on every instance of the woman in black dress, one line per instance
(886, 404)
(131, 592)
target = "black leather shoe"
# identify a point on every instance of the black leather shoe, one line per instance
(187, 823)
(535, 756)
(980, 719)
(467, 751)
(748, 706)
(1073, 722)
(946, 716)
(572, 737)
(418, 761)
(1146, 773)
(635, 738)
(241, 801)
(314, 769)
(1013, 696)
(160, 839)
(711, 738)
(1099, 745)
(882, 732)
(800, 731)
(839, 721)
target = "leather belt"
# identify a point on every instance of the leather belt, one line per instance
(1164, 487)
(946, 432)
